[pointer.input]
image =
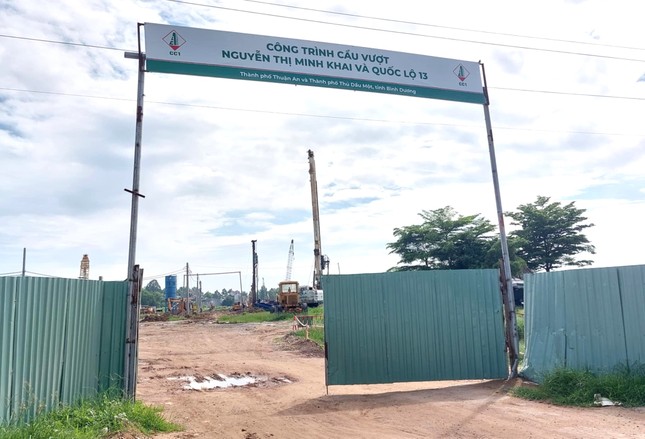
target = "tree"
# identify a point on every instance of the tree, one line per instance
(494, 256)
(550, 234)
(228, 300)
(152, 298)
(153, 285)
(445, 240)
(263, 293)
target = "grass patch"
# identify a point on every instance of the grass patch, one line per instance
(577, 388)
(254, 317)
(519, 321)
(316, 334)
(100, 417)
(316, 310)
(174, 318)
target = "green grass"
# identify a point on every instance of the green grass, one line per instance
(100, 417)
(316, 310)
(174, 318)
(254, 317)
(519, 320)
(577, 388)
(316, 335)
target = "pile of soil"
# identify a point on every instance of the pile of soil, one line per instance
(307, 348)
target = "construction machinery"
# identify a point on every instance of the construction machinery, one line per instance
(320, 261)
(290, 262)
(288, 298)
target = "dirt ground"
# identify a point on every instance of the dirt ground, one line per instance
(290, 399)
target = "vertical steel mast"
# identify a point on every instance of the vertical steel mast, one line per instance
(316, 218)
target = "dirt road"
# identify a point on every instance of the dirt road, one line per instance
(289, 398)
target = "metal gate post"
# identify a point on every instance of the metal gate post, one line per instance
(507, 289)
(132, 315)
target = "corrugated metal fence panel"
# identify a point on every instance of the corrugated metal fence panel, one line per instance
(8, 290)
(414, 326)
(53, 344)
(632, 287)
(544, 319)
(583, 319)
(81, 371)
(39, 345)
(112, 354)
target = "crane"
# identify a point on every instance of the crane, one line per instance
(289, 262)
(320, 260)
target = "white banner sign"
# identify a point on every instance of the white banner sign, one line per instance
(191, 51)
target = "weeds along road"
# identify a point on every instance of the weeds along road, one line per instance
(289, 400)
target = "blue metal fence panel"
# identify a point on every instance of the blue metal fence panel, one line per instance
(414, 326)
(587, 319)
(54, 340)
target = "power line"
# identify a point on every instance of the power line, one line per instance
(416, 23)
(555, 92)
(165, 274)
(358, 119)
(111, 98)
(41, 274)
(96, 46)
(415, 34)
(67, 43)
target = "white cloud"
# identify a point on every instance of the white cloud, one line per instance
(225, 162)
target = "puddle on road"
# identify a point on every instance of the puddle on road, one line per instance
(221, 381)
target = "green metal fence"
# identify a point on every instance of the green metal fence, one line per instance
(591, 319)
(414, 326)
(61, 340)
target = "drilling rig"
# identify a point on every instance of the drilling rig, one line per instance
(320, 261)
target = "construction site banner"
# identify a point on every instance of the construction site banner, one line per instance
(202, 52)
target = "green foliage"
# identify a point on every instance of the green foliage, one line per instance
(254, 317)
(316, 310)
(550, 234)
(316, 334)
(153, 285)
(577, 388)
(93, 418)
(519, 321)
(445, 240)
(494, 255)
(152, 298)
(173, 318)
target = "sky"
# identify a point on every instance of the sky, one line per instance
(224, 161)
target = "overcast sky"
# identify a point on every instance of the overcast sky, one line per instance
(225, 161)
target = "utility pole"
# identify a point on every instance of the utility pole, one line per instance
(254, 280)
(24, 260)
(199, 295)
(199, 301)
(133, 274)
(187, 289)
(507, 284)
